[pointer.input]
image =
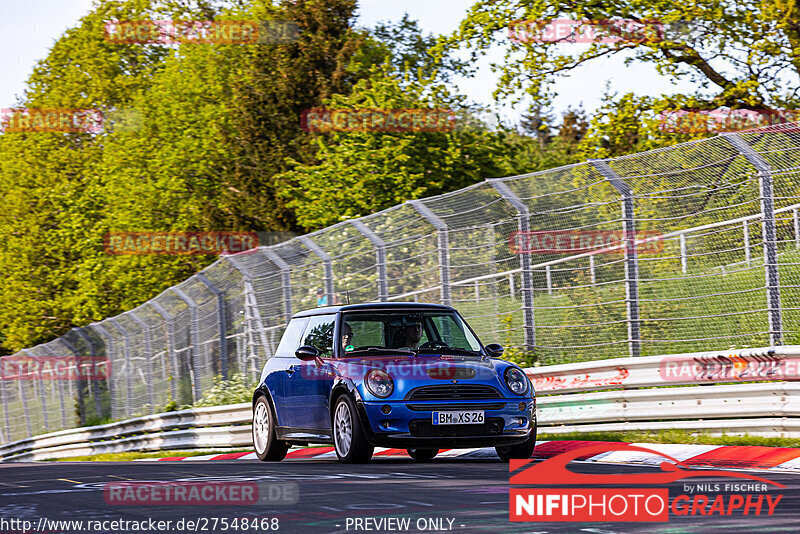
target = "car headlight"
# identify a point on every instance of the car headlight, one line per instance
(516, 381)
(379, 383)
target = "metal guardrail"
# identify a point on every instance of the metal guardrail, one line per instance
(632, 396)
(742, 365)
(215, 426)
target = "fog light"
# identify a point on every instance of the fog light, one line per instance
(386, 409)
(385, 424)
(522, 406)
(520, 421)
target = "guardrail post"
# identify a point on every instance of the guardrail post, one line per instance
(443, 246)
(93, 383)
(221, 321)
(148, 350)
(327, 265)
(286, 280)
(194, 332)
(173, 358)
(631, 256)
(108, 341)
(523, 225)
(380, 252)
(128, 365)
(768, 231)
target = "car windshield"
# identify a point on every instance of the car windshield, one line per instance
(405, 331)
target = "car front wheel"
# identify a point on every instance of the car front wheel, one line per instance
(523, 451)
(348, 436)
(268, 447)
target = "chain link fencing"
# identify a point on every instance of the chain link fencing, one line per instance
(682, 249)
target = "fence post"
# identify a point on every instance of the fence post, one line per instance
(523, 225)
(4, 398)
(194, 332)
(108, 341)
(286, 280)
(768, 233)
(39, 390)
(148, 350)
(81, 409)
(443, 246)
(327, 265)
(173, 358)
(221, 322)
(93, 383)
(682, 239)
(128, 365)
(631, 256)
(380, 252)
(592, 270)
(796, 221)
(746, 236)
(548, 274)
(23, 399)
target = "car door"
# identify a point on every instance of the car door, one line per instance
(308, 386)
(275, 374)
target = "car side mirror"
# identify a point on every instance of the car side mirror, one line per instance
(495, 350)
(307, 353)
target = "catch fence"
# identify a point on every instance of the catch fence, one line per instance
(689, 248)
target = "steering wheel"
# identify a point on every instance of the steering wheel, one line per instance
(433, 345)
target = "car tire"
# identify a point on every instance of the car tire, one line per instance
(523, 451)
(423, 455)
(265, 442)
(349, 441)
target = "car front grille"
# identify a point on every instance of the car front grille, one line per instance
(459, 406)
(453, 392)
(424, 428)
(451, 372)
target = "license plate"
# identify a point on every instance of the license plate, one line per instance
(458, 418)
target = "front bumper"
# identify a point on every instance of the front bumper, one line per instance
(408, 425)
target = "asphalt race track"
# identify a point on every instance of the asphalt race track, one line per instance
(469, 494)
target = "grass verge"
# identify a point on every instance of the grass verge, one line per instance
(127, 456)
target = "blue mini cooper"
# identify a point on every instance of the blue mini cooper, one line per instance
(402, 375)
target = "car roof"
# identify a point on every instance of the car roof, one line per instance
(367, 306)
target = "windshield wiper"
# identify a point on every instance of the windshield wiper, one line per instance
(453, 350)
(384, 350)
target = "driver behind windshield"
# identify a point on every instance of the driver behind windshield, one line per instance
(347, 338)
(410, 335)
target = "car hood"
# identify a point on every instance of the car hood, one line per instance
(423, 367)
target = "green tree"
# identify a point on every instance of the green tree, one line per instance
(741, 54)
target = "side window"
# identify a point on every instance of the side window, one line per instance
(319, 334)
(291, 338)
